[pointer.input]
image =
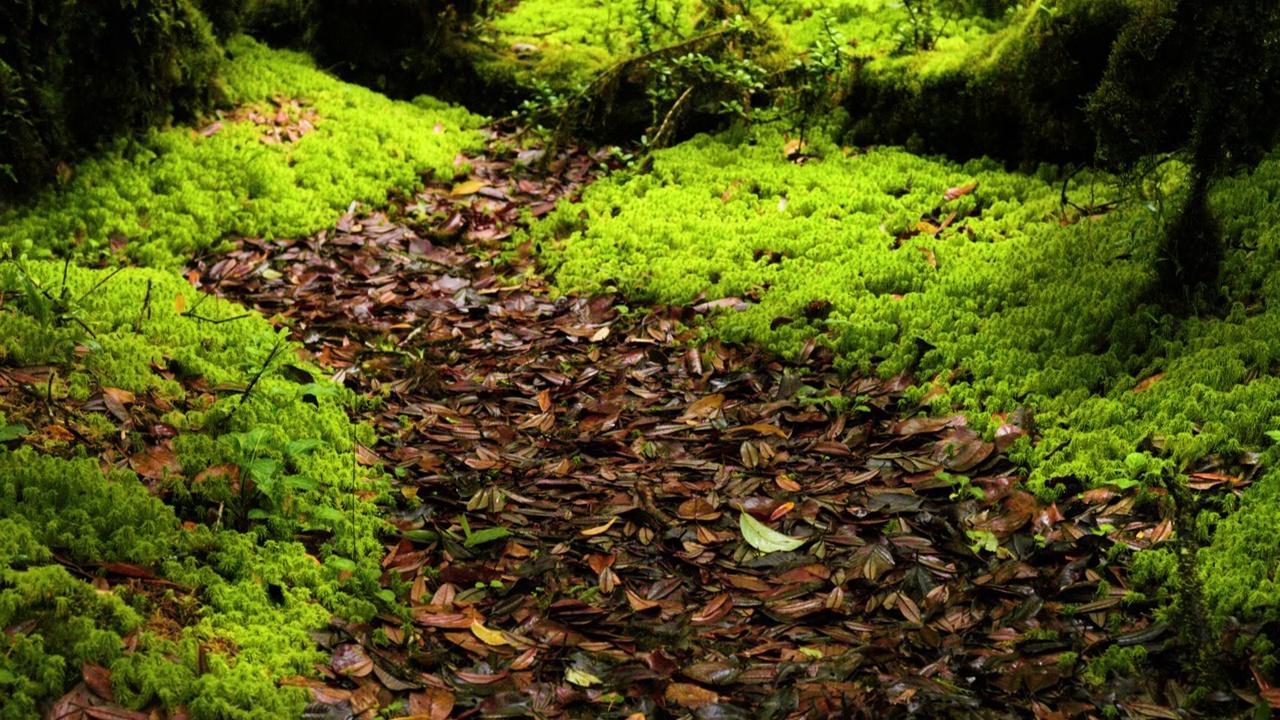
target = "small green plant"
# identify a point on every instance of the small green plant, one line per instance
(819, 77)
(481, 537)
(983, 541)
(962, 487)
(264, 492)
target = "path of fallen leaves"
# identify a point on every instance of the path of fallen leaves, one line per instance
(572, 480)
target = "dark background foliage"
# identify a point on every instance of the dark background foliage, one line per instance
(73, 74)
(1201, 79)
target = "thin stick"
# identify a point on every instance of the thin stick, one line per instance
(100, 283)
(657, 137)
(266, 364)
(146, 309)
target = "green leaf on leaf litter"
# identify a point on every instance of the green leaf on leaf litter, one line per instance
(762, 538)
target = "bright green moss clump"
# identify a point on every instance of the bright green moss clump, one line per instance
(1029, 310)
(252, 587)
(177, 192)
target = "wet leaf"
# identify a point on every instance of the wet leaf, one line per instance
(581, 678)
(351, 660)
(689, 695)
(13, 432)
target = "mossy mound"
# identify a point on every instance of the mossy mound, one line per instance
(301, 147)
(217, 528)
(73, 74)
(1017, 93)
(1019, 300)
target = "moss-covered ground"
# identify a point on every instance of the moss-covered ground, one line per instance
(563, 43)
(228, 448)
(233, 497)
(1003, 297)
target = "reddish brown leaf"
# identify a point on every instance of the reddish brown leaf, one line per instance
(431, 704)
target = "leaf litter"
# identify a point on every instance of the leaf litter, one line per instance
(602, 514)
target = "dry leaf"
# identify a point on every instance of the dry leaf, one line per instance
(958, 192)
(470, 187)
(703, 410)
(599, 529)
(487, 636)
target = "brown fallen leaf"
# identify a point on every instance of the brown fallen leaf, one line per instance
(156, 463)
(690, 695)
(1146, 384)
(929, 257)
(959, 192)
(703, 409)
(431, 704)
(351, 660)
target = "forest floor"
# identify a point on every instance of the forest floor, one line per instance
(590, 498)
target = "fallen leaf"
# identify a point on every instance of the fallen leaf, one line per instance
(431, 704)
(599, 529)
(469, 187)
(690, 695)
(581, 678)
(351, 660)
(959, 192)
(1146, 384)
(487, 636)
(765, 539)
(703, 409)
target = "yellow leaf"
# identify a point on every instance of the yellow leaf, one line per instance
(591, 532)
(600, 334)
(470, 187)
(487, 636)
(581, 678)
(180, 303)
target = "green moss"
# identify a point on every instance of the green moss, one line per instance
(565, 43)
(176, 192)
(1031, 311)
(1117, 661)
(256, 592)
